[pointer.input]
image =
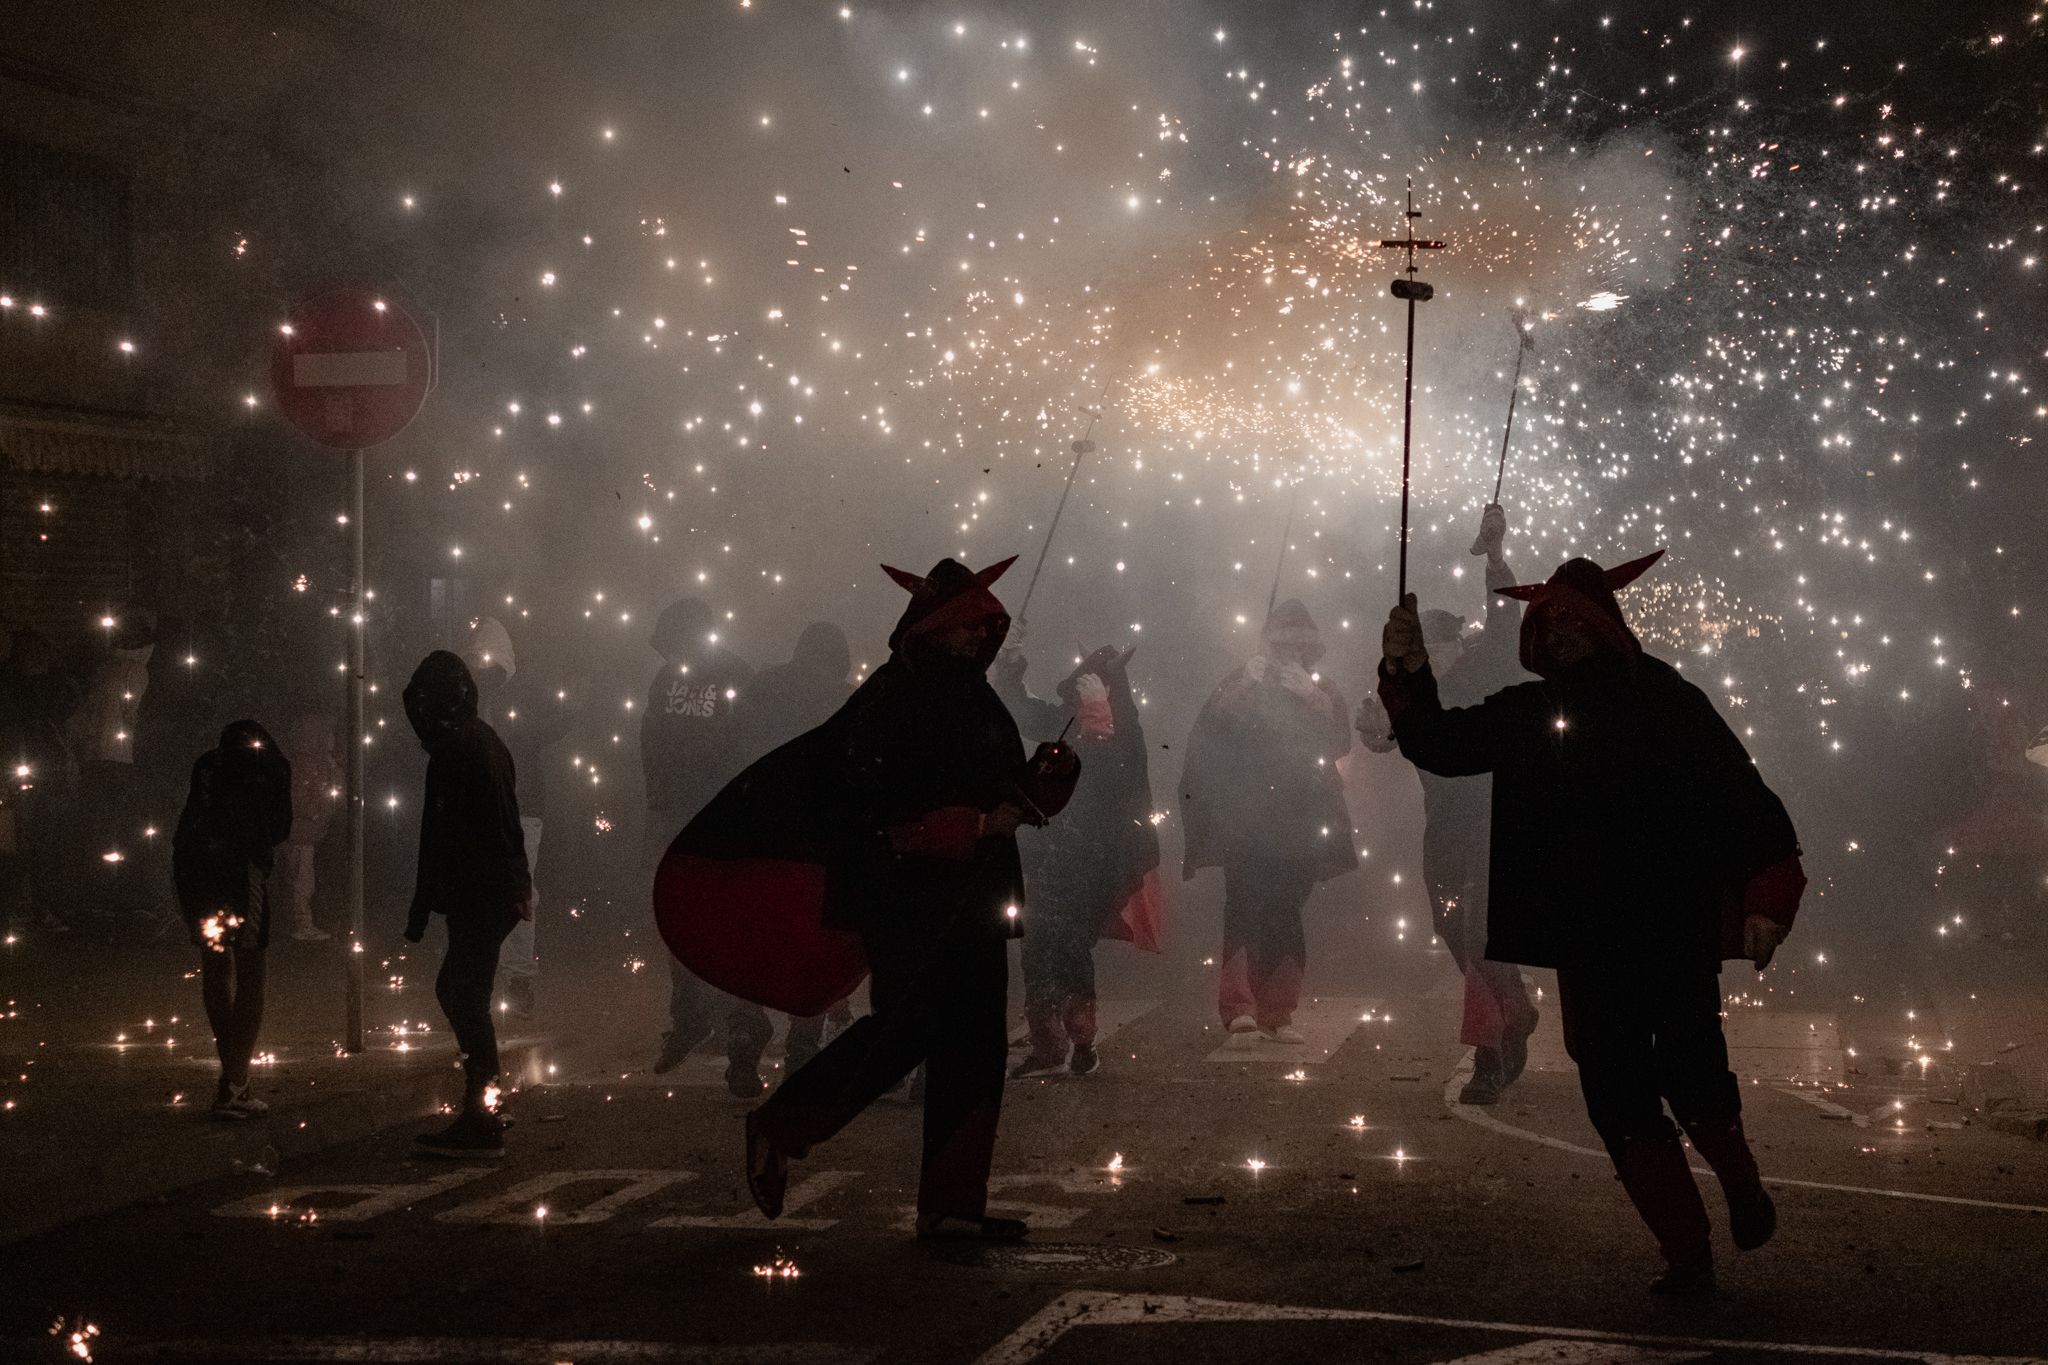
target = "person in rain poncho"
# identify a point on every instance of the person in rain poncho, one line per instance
(1634, 847)
(692, 742)
(1261, 798)
(912, 794)
(238, 811)
(473, 873)
(1498, 1015)
(1091, 869)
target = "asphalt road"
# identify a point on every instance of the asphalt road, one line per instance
(1385, 1224)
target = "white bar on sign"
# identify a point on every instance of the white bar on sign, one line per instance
(347, 369)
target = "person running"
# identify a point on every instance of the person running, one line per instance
(473, 873)
(1634, 847)
(1498, 1014)
(913, 793)
(1092, 868)
(693, 740)
(238, 811)
(1261, 799)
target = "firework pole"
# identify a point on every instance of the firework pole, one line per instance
(1082, 446)
(1414, 291)
(1280, 564)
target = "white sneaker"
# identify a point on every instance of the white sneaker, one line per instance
(1244, 1023)
(1286, 1033)
(310, 933)
(238, 1104)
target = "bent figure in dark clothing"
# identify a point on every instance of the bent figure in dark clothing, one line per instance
(1634, 847)
(914, 791)
(1090, 867)
(473, 873)
(1261, 799)
(783, 702)
(237, 813)
(692, 742)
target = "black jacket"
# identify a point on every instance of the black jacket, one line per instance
(1625, 820)
(472, 859)
(691, 735)
(238, 811)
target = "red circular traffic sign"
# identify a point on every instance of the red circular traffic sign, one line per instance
(351, 369)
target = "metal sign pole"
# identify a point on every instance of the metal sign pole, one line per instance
(358, 670)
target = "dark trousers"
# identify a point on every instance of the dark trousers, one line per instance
(696, 1011)
(1643, 1039)
(1265, 948)
(939, 989)
(1497, 1006)
(468, 971)
(1058, 958)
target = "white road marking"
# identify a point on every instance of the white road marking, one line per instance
(1325, 1024)
(1824, 1104)
(497, 1350)
(1098, 1308)
(805, 1192)
(1478, 1115)
(371, 1201)
(517, 1206)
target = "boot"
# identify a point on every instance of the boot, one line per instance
(1752, 1217)
(1079, 1017)
(1488, 1078)
(1659, 1183)
(1048, 1042)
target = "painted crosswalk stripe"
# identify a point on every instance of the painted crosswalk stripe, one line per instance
(521, 1204)
(799, 1196)
(1101, 1308)
(1324, 1023)
(364, 1202)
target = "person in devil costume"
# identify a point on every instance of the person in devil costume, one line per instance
(909, 798)
(1092, 869)
(1498, 1014)
(1261, 799)
(1634, 847)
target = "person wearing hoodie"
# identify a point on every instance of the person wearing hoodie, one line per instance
(1092, 869)
(783, 702)
(529, 719)
(473, 873)
(1634, 848)
(693, 740)
(1261, 799)
(911, 795)
(239, 809)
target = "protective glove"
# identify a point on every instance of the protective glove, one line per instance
(1375, 727)
(1401, 638)
(1761, 936)
(1493, 531)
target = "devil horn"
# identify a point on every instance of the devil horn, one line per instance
(909, 582)
(1523, 592)
(986, 577)
(1621, 575)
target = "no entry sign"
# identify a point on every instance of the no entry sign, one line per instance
(351, 369)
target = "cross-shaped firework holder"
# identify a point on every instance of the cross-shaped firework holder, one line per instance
(1415, 291)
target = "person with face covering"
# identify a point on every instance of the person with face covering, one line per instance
(693, 740)
(473, 873)
(1091, 869)
(238, 811)
(1633, 847)
(917, 787)
(1499, 1016)
(1261, 799)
